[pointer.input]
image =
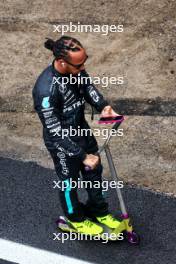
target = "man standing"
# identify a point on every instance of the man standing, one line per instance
(61, 106)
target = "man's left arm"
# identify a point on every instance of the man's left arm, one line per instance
(94, 97)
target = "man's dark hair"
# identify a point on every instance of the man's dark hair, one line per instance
(62, 46)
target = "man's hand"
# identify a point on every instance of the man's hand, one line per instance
(91, 161)
(108, 111)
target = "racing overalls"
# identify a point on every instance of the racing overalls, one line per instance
(60, 106)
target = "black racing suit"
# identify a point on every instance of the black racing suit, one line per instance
(60, 107)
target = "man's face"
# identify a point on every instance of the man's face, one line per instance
(75, 62)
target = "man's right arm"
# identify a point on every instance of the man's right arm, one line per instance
(47, 111)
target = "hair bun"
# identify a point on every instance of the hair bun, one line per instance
(49, 44)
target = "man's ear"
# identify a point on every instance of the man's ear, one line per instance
(61, 63)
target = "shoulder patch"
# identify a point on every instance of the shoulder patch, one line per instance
(62, 88)
(45, 102)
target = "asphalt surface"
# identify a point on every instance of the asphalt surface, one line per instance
(29, 207)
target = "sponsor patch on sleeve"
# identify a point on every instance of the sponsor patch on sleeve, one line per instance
(45, 102)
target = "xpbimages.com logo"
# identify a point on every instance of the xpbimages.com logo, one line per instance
(73, 27)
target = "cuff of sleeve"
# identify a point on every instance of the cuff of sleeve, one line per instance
(102, 105)
(83, 155)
